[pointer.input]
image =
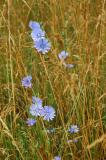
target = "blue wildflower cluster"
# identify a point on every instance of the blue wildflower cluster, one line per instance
(74, 129)
(62, 56)
(41, 43)
(36, 108)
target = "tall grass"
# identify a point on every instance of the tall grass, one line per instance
(78, 94)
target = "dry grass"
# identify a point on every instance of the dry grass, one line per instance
(78, 94)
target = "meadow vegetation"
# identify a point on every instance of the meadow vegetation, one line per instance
(77, 94)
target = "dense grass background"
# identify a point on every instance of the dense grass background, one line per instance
(78, 94)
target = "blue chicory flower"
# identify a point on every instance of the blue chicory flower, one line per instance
(36, 110)
(26, 82)
(42, 45)
(48, 113)
(57, 158)
(37, 101)
(34, 25)
(74, 129)
(63, 55)
(37, 34)
(31, 122)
